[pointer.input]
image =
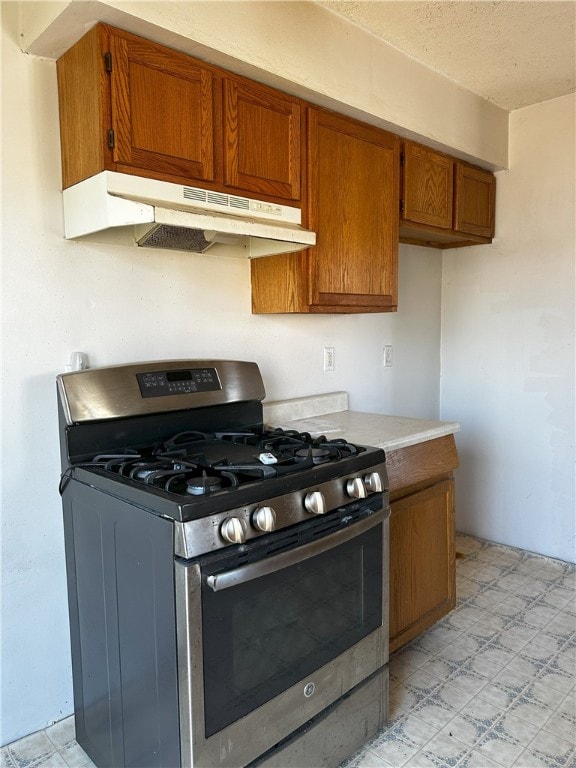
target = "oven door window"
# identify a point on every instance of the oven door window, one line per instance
(264, 635)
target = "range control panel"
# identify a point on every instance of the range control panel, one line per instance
(186, 381)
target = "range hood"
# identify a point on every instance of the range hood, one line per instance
(123, 209)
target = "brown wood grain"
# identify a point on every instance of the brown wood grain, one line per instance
(420, 463)
(352, 201)
(263, 140)
(422, 561)
(474, 208)
(161, 110)
(84, 105)
(446, 203)
(353, 187)
(427, 186)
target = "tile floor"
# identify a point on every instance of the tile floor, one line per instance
(490, 686)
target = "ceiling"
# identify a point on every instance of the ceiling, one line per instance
(510, 52)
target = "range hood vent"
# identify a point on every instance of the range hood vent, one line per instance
(122, 209)
(175, 238)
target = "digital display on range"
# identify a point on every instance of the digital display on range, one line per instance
(187, 381)
(179, 375)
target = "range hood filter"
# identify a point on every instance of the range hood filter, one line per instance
(175, 239)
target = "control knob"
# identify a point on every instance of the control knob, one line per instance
(233, 530)
(264, 519)
(373, 482)
(315, 503)
(356, 489)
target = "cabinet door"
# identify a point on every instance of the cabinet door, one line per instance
(262, 140)
(427, 186)
(162, 110)
(422, 561)
(475, 201)
(353, 197)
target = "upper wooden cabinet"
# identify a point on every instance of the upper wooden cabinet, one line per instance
(474, 201)
(427, 189)
(262, 139)
(352, 204)
(445, 203)
(162, 112)
(131, 105)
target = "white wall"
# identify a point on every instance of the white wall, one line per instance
(508, 346)
(120, 305)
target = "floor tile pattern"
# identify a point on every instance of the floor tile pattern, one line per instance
(492, 685)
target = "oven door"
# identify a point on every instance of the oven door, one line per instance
(273, 632)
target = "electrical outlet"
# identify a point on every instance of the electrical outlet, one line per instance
(388, 355)
(329, 359)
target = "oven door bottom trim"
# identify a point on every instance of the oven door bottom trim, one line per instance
(334, 735)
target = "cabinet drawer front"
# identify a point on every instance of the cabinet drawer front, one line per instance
(475, 201)
(162, 110)
(428, 186)
(421, 463)
(262, 136)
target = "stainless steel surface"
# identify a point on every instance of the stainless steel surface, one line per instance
(196, 537)
(264, 519)
(113, 392)
(233, 530)
(245, 740)
(291, 557)
(337, 734)
(373, 482)
(356, 489)
(190, 675)
(315, 503)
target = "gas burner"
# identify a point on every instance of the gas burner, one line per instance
(318, 455)
(143, 470)
(201, 486)
(205, 484)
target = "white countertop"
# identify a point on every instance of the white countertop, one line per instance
(329, 415)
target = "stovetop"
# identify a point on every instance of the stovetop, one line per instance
(194, 474)
(199, 464)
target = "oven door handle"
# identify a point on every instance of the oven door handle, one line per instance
(291, 557)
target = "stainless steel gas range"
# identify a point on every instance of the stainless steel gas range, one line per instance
(227, 581)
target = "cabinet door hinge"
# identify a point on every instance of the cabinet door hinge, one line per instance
(108, 61)
(111, 142)
(401, 206)
(401, 158)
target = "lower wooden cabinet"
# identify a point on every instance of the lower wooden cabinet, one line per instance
(422, 570)
(422, 533)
